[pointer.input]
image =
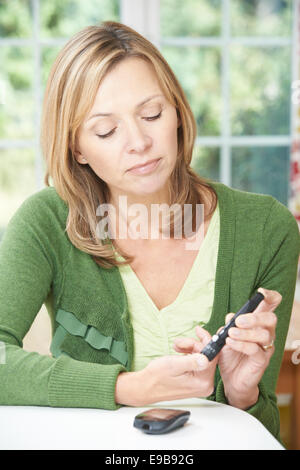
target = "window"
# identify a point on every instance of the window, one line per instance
(232, 58)
(31, 34)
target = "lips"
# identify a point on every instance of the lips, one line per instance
(144, 164)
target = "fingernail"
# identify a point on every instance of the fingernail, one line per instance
(236, 332)
(243, 321)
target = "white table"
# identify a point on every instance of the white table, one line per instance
(211, 426)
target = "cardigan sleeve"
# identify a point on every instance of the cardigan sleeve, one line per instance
(277, 271)
(28, 269)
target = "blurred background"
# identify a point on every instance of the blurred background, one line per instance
(236, 61)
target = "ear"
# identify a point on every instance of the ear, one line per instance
(80, 158)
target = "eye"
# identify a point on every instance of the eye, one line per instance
(106, 135)
(152, 118)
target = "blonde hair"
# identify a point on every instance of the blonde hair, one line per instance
(70, 91)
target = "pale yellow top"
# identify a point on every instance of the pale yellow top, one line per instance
(154, 329)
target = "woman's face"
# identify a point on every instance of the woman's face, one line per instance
(139, 125)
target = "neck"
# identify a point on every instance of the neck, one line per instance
(137, 214)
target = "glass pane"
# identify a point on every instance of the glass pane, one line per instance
(206, 162)
(198, 71)
(263, 170)
(63, 19)
(261, 17)
(15, 18)
(196, 18)
(48, 56)
(17, 181)
(17, 110)
(260, 90)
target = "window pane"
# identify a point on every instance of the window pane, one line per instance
(49, 55)
(17, 110)
(17, 181)
(261, 17)
(190, 18)
(63, 19)
(206, 162)
(15, 18)
(198, 71)
(262, 170)
(260, 90)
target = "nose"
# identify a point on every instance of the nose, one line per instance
(137, 138)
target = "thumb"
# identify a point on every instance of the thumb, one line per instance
(272, 299)
(228, 317)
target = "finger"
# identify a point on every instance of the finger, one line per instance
(203, 335)
(188, 363)
(257, 320)
(249, 349)
(272, 299)
(186, 345)
(260, 336)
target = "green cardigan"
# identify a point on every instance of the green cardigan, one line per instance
(93, 342)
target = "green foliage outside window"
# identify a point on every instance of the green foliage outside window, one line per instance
(259, 82)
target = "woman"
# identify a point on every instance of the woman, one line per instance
(130, 315)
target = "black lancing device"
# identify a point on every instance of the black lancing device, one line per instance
(218, 340)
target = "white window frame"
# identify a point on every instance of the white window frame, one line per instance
(144, 17)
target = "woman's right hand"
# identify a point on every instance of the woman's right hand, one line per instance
(166, 378)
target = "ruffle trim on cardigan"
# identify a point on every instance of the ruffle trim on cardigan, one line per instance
(69, 323)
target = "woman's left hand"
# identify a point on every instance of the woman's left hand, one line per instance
(243, 360)
(248, 350)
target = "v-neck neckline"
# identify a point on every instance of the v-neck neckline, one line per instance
(224, 262)
(187, 281)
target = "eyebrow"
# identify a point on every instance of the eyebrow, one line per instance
(137, 106)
